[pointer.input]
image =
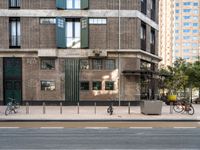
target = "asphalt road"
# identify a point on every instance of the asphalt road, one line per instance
(99, 138)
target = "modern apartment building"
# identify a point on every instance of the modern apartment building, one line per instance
(187, 30)
(179, 30)
(78, 50)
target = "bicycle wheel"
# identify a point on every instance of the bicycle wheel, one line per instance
(178, 107)
(191, 110)
(8, 110)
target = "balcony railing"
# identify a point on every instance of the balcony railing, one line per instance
(15, 41)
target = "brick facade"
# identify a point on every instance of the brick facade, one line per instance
(39, 41)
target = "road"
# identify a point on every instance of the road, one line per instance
(99, 138)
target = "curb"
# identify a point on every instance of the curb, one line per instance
(100, 120)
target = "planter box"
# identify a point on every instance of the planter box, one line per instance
(151, 107)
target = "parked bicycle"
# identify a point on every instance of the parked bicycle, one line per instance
(110, 109)
(12, 106)
(183, 106)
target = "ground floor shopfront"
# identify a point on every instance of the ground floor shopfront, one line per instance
(77, 79)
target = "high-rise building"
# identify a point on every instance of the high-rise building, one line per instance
(78, 50)
(179, 34)
(166, 21)
(186, 30)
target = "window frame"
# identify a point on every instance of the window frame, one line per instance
(93, 86)
(106, 85)
(82, 82)
(47, 59)
(47, 88)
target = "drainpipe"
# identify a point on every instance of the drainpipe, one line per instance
(119, 67)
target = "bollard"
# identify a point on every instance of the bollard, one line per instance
(77, 108)
(129, 108)
(60, 107)
(171, 107)
(27, 108)
(95, 109)
(44, 108)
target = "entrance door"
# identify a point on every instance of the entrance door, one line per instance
(12, 79)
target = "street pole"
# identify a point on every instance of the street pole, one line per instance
(119, 67)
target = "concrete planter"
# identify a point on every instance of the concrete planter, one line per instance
(151, 107)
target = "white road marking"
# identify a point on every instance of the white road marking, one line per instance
(141, 127)
(184, 127)
(96, 128)
(51, 127)
(9, 127)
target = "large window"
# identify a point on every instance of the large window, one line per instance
(109, 64)
(73, 33)
(97, 64)
(48, 85)
(47, 64)
(15, 33)
(109, 85)
(153, 9)
(84, 85)
(143, 6)
(73, 4)
(96, 85)
(152, 41)
(143, 36)
(14, 3)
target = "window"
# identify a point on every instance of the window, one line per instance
(47, 21)
(186, 44)
(97, 64)
(109, 64)
(195, 38)
(15, 33)
(97, 21)
(176, 31)
(195, 4)
(48, 85)
(143, 6)
(143, 31)
(73, 33)
(186, 37)
(109, 85)
(73, 4)
(177, 11)
(186, 30)
(176, 37)
(186, 24)
(195, 11)
(14, 3)
(84, 64)
(195, 24)
(143, 36)
(153, 9)
(195, 31)
(186, 10)
(186, 57)
(186, 3)
(84, 85)
(177, 4)
(47, 64)
(195, 18)
(186, 50)
(177, 17)
(96, 85)
(195, 45)
(186, 17)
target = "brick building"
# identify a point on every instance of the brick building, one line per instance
(78, 50)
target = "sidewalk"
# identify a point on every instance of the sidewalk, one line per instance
(87, 113)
